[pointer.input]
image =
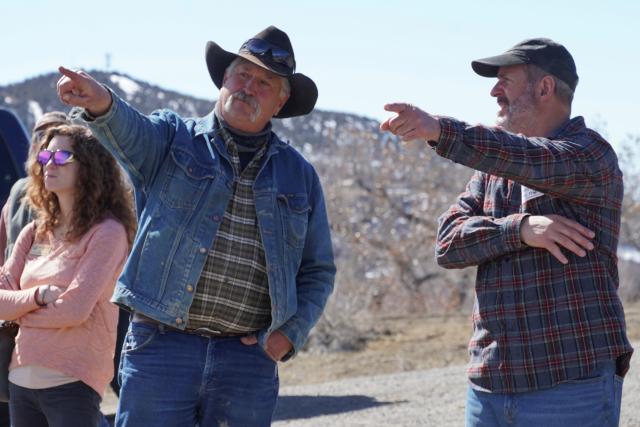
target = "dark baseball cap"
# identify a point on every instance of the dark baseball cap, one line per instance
(550, 56)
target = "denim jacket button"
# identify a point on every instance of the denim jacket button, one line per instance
(216, 218)
(189, 288)
(203, 250)
(178, 321)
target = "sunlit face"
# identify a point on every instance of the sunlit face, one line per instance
(515, 96)
(250, 97)
(60, 179)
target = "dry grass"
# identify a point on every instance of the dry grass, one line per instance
(403, 344)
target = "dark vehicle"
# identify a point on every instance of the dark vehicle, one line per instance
(14, 145)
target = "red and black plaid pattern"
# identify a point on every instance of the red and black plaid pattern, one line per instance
(536, 321)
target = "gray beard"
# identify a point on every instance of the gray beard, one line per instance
(520, 115)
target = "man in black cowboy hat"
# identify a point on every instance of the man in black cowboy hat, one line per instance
(540, 219)
(232, 264)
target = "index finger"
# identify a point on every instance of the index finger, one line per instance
(396, 107)
(69, 73)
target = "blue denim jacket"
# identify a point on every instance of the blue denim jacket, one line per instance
(182, 177)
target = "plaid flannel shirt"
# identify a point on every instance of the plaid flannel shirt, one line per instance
(232, 295)
(536, 321)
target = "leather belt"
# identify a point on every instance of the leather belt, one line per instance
(201, 332)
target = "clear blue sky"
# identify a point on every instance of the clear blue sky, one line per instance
(361, 54)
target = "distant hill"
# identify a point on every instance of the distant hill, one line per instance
(35, 96)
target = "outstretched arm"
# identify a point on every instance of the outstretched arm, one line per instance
(582, 168)
(140, 143)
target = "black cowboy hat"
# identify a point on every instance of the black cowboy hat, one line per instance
(271, 50)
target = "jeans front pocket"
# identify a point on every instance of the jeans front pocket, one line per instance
(140, 334)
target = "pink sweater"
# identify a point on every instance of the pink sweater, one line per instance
(76, 334)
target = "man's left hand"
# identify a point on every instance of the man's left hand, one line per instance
(411, 123)
(278, 345)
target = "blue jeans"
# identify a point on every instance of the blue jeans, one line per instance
(593, 401)
(69, 405)
(174, 379)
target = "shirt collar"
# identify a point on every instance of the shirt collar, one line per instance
(567, 126)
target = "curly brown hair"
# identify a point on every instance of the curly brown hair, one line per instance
(101, 189)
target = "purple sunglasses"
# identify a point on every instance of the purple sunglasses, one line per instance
(60, 157)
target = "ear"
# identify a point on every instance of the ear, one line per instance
(546, 87)
(281, 104)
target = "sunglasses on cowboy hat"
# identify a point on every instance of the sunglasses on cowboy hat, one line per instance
(270, 49)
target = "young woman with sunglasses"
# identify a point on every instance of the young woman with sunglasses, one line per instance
(59, 279)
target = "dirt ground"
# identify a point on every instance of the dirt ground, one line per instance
(401, 344)
(404, 344)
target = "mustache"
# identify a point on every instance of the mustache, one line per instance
(502, 100)
(245, 97)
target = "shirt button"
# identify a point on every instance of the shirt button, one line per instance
(178, 321)
(203, 250)
(189, 288)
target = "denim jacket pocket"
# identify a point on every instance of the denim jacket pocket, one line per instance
(294, 210)
(185, 179)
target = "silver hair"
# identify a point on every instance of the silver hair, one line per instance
(285, 87)
(562, 89)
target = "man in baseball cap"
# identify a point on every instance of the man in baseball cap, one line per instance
(540, 220)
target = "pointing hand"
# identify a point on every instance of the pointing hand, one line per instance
(78, 88)
(411, 123)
